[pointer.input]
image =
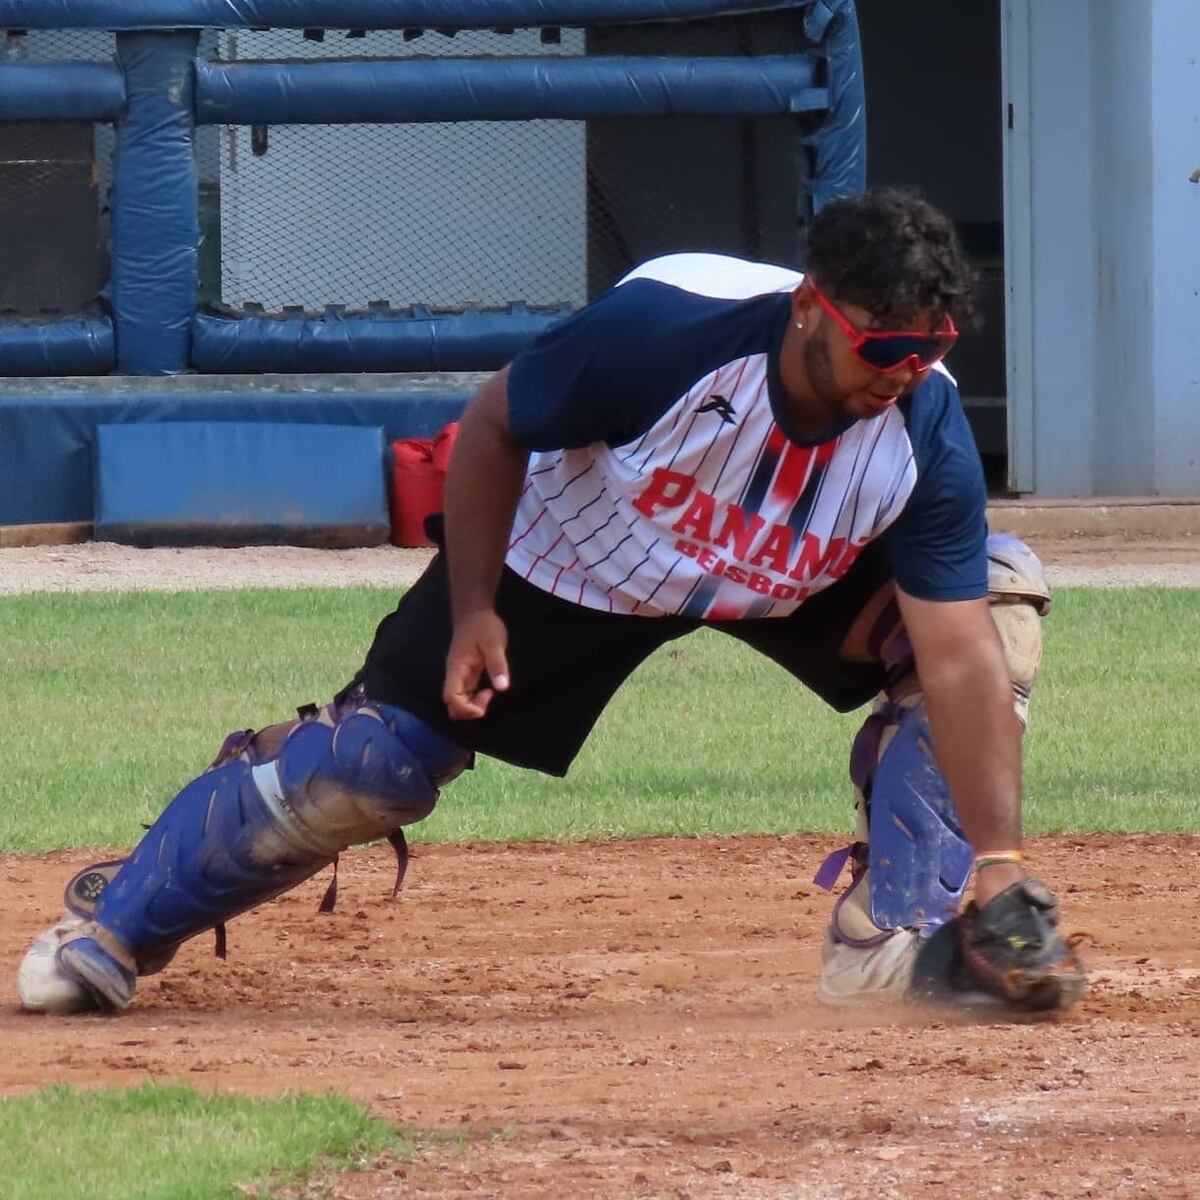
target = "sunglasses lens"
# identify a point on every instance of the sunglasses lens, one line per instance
(891, 350)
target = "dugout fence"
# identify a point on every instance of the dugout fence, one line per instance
(424, 191)
(308, 188)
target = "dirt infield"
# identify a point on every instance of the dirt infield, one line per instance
(637, 1019)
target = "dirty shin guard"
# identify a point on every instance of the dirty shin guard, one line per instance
(918, 858)
(247, 831)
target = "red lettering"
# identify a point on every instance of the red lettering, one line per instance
(736, 574)
(759, 583)
(775, 551)
(808, 561)
(782, 591)
(689, 549)
(812, 559)
(666, 489)
(743, 534)
(697, 518)
(707, 559)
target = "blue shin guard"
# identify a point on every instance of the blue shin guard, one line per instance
(253, 827)
(919, 859)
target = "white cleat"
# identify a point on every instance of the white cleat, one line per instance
(42, 984)
(853, 976)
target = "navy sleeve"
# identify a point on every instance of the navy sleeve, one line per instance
(938, 546)
(610, 370)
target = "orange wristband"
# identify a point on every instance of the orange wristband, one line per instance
(999, 858)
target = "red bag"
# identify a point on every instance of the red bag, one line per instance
(418, 484)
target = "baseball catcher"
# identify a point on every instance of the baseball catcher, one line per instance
(716, 443)
(900, 930)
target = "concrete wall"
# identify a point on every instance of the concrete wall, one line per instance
(1104, 364)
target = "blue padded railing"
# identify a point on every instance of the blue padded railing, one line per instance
(374, 341)
(359, 14)
(73, 91)
(454, 89)
(68, 346)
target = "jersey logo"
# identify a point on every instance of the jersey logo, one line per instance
(721, 406)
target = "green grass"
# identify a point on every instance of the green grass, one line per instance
(173, 1143)
(113, 701)
(1113, 738)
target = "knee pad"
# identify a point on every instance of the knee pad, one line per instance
(359, 778)
(1019, 596)
(253, 827)
(1015, 573)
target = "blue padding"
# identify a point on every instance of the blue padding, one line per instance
(244, 832)
(469, 341)
(919, 857)
(47, 429)
(155, 212)
(839, 144)
(471, 89)
(65, 346)
(200, 863)
(186, 481)
(358, 14)
(76, 91)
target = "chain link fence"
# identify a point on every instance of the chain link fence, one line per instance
(445, 215)
(451, 215)
(55, 182)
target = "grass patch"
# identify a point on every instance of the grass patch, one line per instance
(1112, 744)
(116, 700)
(174, 1143)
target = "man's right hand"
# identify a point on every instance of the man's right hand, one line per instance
(476, 666)
(483, 487)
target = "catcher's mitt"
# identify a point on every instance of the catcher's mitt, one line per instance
(1008, 953)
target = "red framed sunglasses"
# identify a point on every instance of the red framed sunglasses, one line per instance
(890, 350)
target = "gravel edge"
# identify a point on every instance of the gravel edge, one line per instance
(107, 567)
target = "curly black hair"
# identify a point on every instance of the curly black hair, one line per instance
(891, 252)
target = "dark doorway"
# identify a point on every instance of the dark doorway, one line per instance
(931, 70)
(722, 184)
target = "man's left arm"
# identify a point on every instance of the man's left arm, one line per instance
(976, 734)
(1008, 938)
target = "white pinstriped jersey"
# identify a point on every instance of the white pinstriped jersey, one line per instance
(661, 482)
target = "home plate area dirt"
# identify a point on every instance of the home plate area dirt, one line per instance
(637, 1019)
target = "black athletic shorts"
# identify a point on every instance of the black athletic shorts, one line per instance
(566, 661)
